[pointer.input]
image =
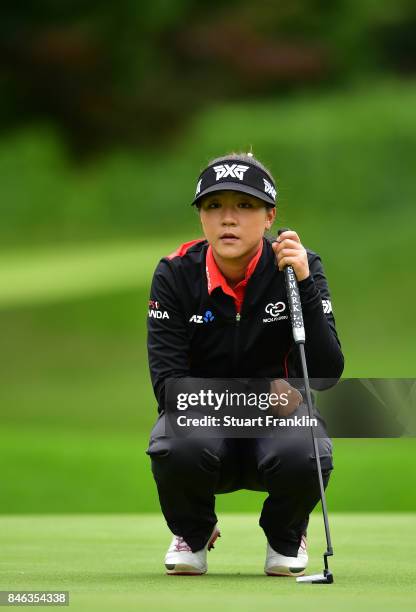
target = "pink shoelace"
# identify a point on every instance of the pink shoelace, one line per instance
(303, 543)
(181, 545)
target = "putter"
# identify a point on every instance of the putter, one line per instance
(298, 331)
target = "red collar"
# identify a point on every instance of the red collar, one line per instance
(215, 277)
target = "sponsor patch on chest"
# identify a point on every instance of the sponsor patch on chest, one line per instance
(207, 317)
(275, 311)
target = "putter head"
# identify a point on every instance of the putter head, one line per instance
(325, 578)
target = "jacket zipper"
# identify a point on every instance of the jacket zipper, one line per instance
(236, 338)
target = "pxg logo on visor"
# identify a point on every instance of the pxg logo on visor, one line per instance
(244, 177)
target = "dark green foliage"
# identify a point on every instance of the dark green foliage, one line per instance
(134, 73)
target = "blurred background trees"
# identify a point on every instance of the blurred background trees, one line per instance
(126, 73)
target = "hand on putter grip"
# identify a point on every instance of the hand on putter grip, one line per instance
(289, 251)
(294, 397)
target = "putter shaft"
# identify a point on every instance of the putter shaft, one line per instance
(298, 330)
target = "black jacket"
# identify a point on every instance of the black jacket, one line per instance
(194, 334)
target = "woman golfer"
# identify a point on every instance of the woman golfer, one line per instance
(218, 308)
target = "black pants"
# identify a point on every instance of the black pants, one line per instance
(190, 471)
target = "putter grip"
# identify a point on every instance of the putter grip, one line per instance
(295, 307)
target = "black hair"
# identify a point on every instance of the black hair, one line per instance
(244, 157)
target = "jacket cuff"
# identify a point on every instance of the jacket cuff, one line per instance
(308, 291)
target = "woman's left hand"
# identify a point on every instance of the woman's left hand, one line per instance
(290, 251)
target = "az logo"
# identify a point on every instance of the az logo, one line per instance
(196, 319)
(206, 318)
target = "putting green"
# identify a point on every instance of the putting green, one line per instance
(54, 274)
(114, 562)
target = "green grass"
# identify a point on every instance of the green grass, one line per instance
(116, 562)
(59, 470)
(51, 275)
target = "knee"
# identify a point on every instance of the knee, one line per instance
(297, 459)
(181, 458)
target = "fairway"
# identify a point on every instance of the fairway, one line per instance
(52, 275)
(114, 562)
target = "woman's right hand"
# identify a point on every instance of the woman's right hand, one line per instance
(289, 398)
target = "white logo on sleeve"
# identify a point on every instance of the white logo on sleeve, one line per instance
(155, 312)
(268, 188)
(327, 306)
(233, 170)
(275, 311)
